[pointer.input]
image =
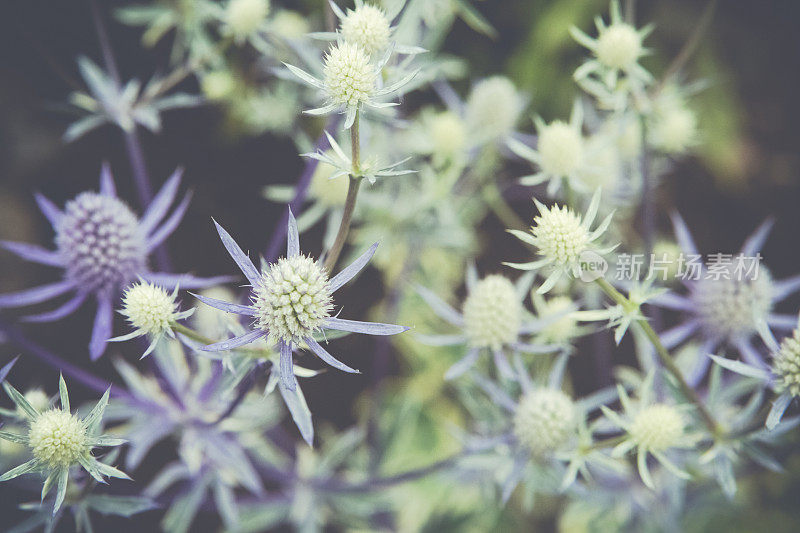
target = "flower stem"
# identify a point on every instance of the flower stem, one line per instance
(350, 201)
(665, 357)
(501, 209)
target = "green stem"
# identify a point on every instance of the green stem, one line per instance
(350, 201)
(664, 356)
(500, 207)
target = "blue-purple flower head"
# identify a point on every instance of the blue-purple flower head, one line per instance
(291, 301)
(102, 246)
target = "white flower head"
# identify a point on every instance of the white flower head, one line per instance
(367, 26)
(561, 237)
(672, 126)
(617, 50)
(492, 313)
(786, 365)
(545, 420)
(350, 81)
(293, 298)
(560, 152)
(244, 17)
(493, 108)
(652, 427)
(151, 311)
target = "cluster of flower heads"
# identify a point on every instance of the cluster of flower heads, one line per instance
(506, 348)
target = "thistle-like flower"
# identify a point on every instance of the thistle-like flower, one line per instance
(545, 420)
(102, 246)
(350, 81)
(151, 311)
(244, 17)
(493, 108)
(59, 440)
(728, 303)
(560, 153)
(652, 428)
(561, 237)
(493, 319)
(672, 126)
(617, 51)
(291, 301)
(368, 26)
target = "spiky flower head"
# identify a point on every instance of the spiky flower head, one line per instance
(101, 243)
(293, 298)
(619, 46)
(447, 133)
(561, 238)
(562, 329)
(673, 128)
(149, 308)
(349, 76)
(545, 420)
(560, 148)
(57, 439)
(492, 313)
(218, 84)
(289, 24)
(37, 398)
(243, 17)
(786, 365)
(367, 26)
(658, 427)
(733, 307)
(493, 107)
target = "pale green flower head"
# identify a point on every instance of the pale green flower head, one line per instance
(244, 17)
(492, 313)
(367, 26)
(59, 440)
(786, 365)
(545, 420)
(293, 298)
(493, 108)
(151, 311)
(561, 237)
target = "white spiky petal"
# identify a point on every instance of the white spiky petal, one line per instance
(492, 313)
(293, 298)
(349, 77)
(545, 419)
(57, 439)
(368, 27)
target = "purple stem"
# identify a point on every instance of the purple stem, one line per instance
(16, 337)
(300, 190)
(132, 144)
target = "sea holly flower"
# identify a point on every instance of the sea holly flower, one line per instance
(151, 311)
(672, 124)
(290, 301)
(369, 27)
(59, 440)
(102, 246)
(493, 108)
(126, 105)
(728, 302)
(652, 428)
(350, 81)
(244, 17)
(545, 426)
(782, 376)
(617, 50)
(561, 237)
(493, 319)
(560, 153)
(368, 168)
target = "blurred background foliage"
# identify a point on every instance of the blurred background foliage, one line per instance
(746, 167)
